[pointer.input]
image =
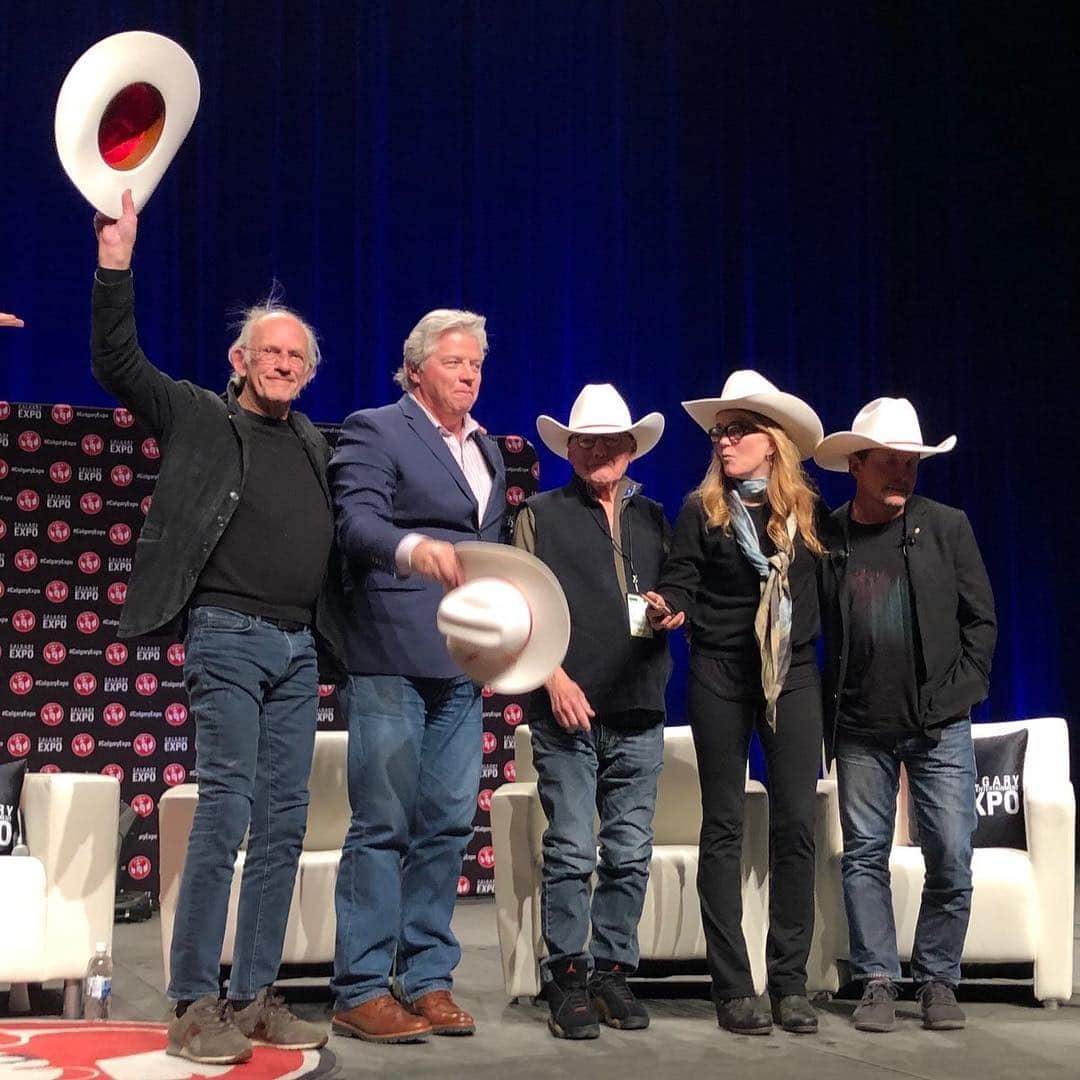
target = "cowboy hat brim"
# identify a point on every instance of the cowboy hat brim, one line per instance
(550, 634)
(834, 450)
(556, 436)
(97, 77)
(798, 420)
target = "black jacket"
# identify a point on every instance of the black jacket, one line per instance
(203, 464)
(953, 605)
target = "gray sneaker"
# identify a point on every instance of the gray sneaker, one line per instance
(206, 1033)
(939, 1009)
(877, 1010)
(268, 1022)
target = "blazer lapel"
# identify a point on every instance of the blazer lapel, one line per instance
(496, 504)
(425, 429)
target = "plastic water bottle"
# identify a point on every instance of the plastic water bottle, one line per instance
(97, 989)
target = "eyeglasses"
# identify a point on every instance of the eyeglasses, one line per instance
(608, 442)
(734, 431)
(274, 354)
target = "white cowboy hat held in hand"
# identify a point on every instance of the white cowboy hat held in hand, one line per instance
(751, 391)
(509, 625)
(122, 113)
(600, 410)
(884, 424)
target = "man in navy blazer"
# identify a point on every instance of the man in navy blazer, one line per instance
(410, 480)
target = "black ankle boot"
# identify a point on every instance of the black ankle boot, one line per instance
(572, 1013)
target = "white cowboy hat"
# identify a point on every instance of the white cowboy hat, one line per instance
(600, 410)
(509, 625)
(748, 390)
(124, 109)
(886, 424)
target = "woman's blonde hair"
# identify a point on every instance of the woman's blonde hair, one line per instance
(789, 490)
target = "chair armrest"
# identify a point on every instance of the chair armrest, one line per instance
(72, 827)
(176, 812)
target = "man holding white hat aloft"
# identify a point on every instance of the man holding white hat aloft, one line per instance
(598, 726)
(909, 627)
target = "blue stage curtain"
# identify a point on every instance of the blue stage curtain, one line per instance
(856, 198)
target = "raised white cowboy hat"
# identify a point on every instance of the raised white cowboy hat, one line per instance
(122, 113)
(509, 625)
(886, 423)
(747, 389)
(600, 410)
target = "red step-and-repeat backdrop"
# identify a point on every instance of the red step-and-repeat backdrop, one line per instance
(75, 486)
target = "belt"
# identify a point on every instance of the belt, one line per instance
(289, 625)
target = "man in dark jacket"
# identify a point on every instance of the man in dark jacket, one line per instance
(598, 724)
(237, 543)
(909, 631)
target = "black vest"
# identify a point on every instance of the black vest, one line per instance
(619, 673)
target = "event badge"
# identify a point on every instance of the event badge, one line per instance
(637, 609)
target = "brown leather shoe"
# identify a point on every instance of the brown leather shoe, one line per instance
(443, 1013)
(381, 1020)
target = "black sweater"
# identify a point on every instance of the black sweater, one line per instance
(709, 578)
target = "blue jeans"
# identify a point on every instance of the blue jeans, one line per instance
(254, 692)
(579, 775)
(941, 776)
(414, 773)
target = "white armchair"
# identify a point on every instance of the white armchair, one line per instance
(309, 935)
(1022, 904)
(670, 926)
(57, 902)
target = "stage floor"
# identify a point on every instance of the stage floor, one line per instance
(1007, 1034)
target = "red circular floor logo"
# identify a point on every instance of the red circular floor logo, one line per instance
(150, 449)
(120, 534)
(121, 475)
(113, 770)
(513, 714)
(175, 654)
(490, 742)
(92, 445)
(82, 745)
(90, 502)
(145, 744)
(26, 560)
(139, 868)
(84, 684)
(89, 562)
(142, 804)
(29, 442)
(24, 620)
(59, 532)
(463, 886)
(146, 683)
(87, 622)
(21, 683)
(56, 592)
(59, 472)
(114, 714)
(122, 418)
(174, 773)
(62, 414)
(117, 592)
(18, 744)
(51, 714)
(28, 500)
(486, 857)
(515, 444)
(116, 653)
(54, 653)
(483, 800)
(176, 714)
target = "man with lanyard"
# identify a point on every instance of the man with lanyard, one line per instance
(598, 725)
(237, 542)
(910, 630)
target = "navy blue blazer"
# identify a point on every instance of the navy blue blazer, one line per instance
(391, 474)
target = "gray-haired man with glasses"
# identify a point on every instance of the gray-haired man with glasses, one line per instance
(237, 544)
